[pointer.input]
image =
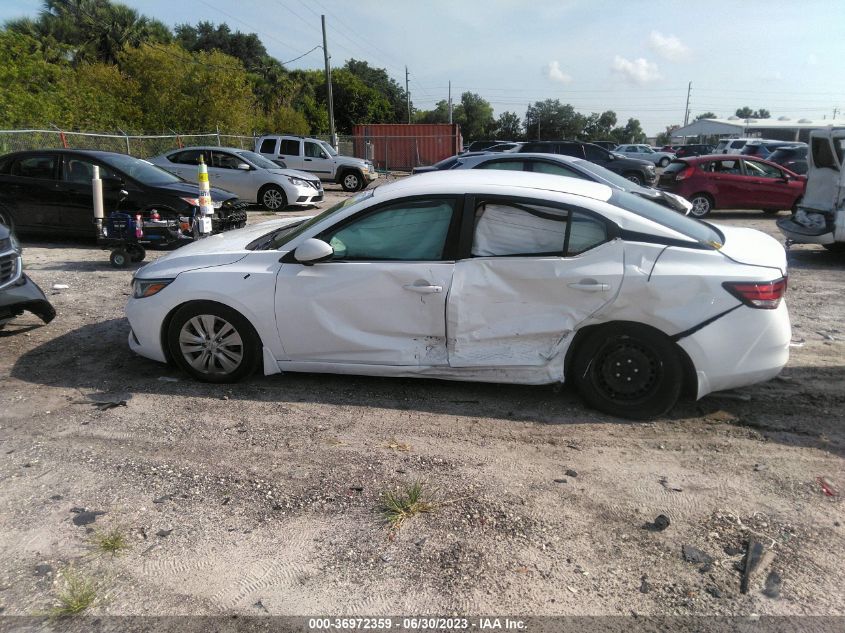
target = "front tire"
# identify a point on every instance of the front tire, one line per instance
(119, 258)
(273, 198)
(137, 253)
(663, 161)
(351, 181)
(628, 370)
(212, 342)
(634, 178)
(702, 205)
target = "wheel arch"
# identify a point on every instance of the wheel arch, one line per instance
(689, 387)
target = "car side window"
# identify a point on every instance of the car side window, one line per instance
(506, 165)
(289, 147)
(411, 230)
(224, 160)
(571, 149)
(82, 171)
(542, 167)
(192, 157)
(595, 153)
(313, 150)
(39, 166)
(762, 170)
(585, 232)
(268, 146)
(723, 167)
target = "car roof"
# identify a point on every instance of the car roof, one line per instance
(209, 148)
(96, 153)
(562, 158)
(492, 182)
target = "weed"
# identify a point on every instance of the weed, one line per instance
(78, 594)
(113, 542)
(396, 507)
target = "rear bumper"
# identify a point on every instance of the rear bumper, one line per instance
(744, 347)
(24, 295)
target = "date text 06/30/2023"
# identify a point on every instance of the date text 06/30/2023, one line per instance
(416, 624)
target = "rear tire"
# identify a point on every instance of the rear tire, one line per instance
(628, 370)
(213, 343)
(663, 161)
(137, 253)
(119, 258)
(702, 205)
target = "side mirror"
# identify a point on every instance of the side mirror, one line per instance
(244, 166)
(323, 155)
(610, 156)
(312, 251)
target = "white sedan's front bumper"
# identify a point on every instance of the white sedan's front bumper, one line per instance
(304, 196)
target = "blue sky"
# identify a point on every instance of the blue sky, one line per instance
(631, 56)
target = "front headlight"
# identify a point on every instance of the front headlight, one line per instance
(142, 288)
(297, 182)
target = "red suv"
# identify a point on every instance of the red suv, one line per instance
(721, 181)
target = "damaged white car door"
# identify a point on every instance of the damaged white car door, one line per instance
(381, 298)
(535, 273)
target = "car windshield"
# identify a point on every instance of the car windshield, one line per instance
(280, 237)
(258, 160)
(605, 174)
(140, 170)
(331, 150)
(696, 230)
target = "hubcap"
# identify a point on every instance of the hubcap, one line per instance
(700, 206)
(627, 371)
(211, 345)
(634, 180)
(273, 199)
(351, 181)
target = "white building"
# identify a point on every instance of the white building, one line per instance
(781, 129)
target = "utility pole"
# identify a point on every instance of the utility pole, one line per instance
(450, 102)
(408, 94)
(686, 110)
(333, 140)
(835, 110)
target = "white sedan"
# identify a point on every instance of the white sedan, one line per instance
(250, 176)
(496, 276)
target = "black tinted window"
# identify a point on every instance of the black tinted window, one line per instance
(268, 146)
(289, 147)
(43, 166)
(191, 157)
(823, 153)
(594, 152)
(81, 171)
(675, 166)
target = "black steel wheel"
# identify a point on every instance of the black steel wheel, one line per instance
(137, 253)
(119, 258)
(628, 370)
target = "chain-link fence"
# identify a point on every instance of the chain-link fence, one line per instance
(387, 153)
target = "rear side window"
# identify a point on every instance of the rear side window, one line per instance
(762, 170)
(191, 157)
(511, 229)
(289, 147)
(722, 167)
(676, 166)
(505, 165)
(571, 149)
(268, 146)
(737, 144)
(557, 169)
(43, 166)
(595, 153)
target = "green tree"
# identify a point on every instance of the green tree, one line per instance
(440, 114)
(100, 97)
(32, 93)
(476, 117)
(632, 132)
(665, 137)
(380, 81)
(355, 102)
(550, 119)
(207, 37)
(508, 126)
(597, 126)
(706, 115)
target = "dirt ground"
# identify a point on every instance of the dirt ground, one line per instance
(262, 497)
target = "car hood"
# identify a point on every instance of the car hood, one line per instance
(216, 250)
(191, 190)
(671, 200)
(293, 173)
(351, 161)
(750, 246)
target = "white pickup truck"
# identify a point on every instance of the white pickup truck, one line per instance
(819, 217)
(319, 158)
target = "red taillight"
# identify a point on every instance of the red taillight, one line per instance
(758, 294)
(686, 173)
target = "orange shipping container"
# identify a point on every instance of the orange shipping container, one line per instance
(403, 146)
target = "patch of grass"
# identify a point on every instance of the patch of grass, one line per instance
(78, 594)
(113, 542)
(397, 507)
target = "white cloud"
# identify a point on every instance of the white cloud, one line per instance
(554, 73)
(812, 59)
(640, 71)
(668, 46)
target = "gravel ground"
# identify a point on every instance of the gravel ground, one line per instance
(263, 497)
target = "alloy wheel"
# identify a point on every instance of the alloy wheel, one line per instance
(211, 345)
(273, 199)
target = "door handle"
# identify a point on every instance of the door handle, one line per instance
(592, 286)
(308, 160)
(424, 290)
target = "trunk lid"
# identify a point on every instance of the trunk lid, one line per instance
(752, 247)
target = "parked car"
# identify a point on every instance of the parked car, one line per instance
(446, 163)
(644, 152)
(319, 158)
(18, 293)
(536, 279)
(793, 157)
(730, 145)
(720, 182)
(762, 149)
(480, 146)
(820, 216)
(641, 172)
(693, 149)
(252, 177)
(571, 167)
(49, 191)
(503, 147)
